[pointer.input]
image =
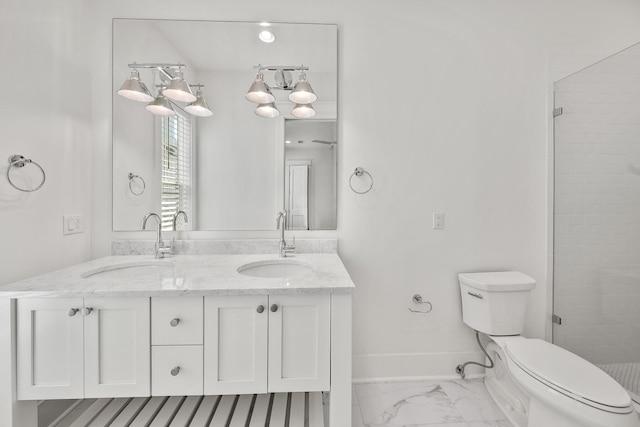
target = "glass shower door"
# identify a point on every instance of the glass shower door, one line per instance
(597, 216)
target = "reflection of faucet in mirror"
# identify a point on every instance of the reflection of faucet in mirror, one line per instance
(281, 223)
(160, 248)
(175, 219)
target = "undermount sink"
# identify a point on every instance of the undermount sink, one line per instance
(131, 270)
(275, 268)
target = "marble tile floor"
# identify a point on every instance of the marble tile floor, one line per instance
(438, 403)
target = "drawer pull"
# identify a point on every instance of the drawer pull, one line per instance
(274, 308)
(175, 371)
(87, 311)
(475, 295)
(174, 322)
(72, 312)
(260, 309)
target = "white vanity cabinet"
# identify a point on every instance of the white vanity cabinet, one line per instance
(75, 348)
(259, 343)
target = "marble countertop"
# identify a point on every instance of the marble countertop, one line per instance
(195, 275)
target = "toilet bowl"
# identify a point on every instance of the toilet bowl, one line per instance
(536, 383)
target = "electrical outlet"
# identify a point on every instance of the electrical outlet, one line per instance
(438, 220)
(72, 224)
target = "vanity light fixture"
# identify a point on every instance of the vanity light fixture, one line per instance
(301, 94)
(303, 111)
(134, 89)
(178, 89)
(160, 106)
(174, 88)
(199, 107)
(259, 92)
(269, 111)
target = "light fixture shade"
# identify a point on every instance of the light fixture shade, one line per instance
(303, 111)
(134, 89)
(179, 90)
(199, 107)
(269, 110)
(259, 92)
(267, 36)
(161, 106)
(302, 92)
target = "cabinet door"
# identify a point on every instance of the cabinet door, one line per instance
(49, 348)
(117, 347)
(235, 344)
(299, 343)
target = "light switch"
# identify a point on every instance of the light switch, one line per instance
(72, 224)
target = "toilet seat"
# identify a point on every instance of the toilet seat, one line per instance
(568, 374)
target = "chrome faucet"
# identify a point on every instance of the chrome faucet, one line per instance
(281, 224)
(175, 219)
(160, 247)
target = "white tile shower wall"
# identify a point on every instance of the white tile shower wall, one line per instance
(597, 210)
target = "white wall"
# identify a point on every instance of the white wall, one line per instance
(471, 142)
(45, 116)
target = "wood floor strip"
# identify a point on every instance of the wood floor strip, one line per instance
(316, 418)
(296, 414)
(242, 411)
(130, 412)
(74, 414)
(187, 411)
(223, 412)
(91, 413)
(202, 417)
(109, 413)
(260, 411)
(279, 410)
(149, 412)
(167, 412)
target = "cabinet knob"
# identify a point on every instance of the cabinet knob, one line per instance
(87, 311)
(260, 309)
(72, 312)
(175, 371)
(274, 308)
(174, 322)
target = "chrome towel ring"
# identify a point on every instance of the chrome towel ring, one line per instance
(417, 299)
(360, 172)
(132, 178)
(19, 161)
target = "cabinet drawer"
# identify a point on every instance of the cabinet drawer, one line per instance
(176, 321)
(176, 370)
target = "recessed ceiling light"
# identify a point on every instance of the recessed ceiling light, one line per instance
(267, 36)
(287, 142)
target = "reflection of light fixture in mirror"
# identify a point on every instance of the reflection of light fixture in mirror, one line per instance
(134, 89)
(173, 89)
(302, 92)
(161, 106)
(199, 107)
(268, 110)
(259, 91)
(178, 89)
(303, 111)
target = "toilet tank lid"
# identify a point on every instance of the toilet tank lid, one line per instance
(503, 281)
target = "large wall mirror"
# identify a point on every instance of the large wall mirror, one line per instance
(234, 169)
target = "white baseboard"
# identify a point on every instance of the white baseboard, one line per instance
(414, 366)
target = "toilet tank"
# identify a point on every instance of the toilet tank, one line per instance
(495, 303)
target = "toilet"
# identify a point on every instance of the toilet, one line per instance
(535, 383)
